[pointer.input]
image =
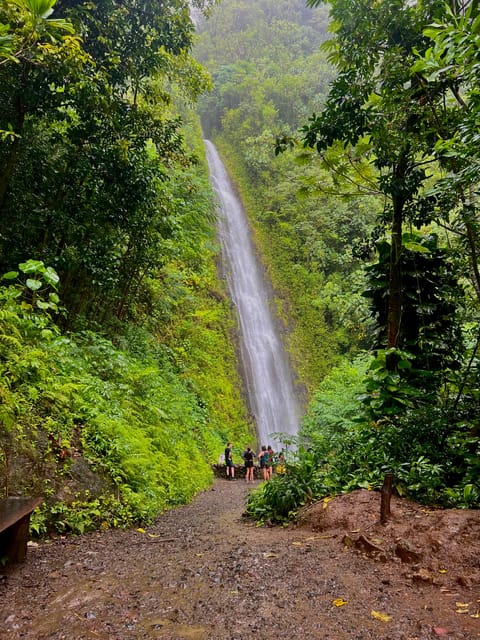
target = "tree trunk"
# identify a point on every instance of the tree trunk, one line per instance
(386, 497)
(394, 316)
(395, 281)
(9, 166)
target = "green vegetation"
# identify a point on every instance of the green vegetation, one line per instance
(372, 212)
(357, 159)
(118, 375)
(112, 435)
(340, 451)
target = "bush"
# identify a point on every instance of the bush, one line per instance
(432, 461)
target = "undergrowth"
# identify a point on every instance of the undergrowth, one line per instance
(432, 462)
(108, 436)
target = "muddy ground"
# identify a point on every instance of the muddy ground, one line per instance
(203, 572)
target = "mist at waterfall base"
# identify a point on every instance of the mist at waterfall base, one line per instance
(266, 369)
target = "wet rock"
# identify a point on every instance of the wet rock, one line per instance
(423, 575)
(368, 546)
(407, 552)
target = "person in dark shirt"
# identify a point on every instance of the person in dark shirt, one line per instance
(229, 468)
(248, 457)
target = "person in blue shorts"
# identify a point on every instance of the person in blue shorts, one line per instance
(263, 459)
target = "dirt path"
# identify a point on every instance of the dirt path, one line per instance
(203, 573)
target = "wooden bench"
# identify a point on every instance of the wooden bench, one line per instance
(14, 527)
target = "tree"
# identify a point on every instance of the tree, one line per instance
(410, 108)
(86, 181)
(373, 102)
(33, 45)
(390, 103)
(448, 73)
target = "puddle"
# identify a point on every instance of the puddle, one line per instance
(75, 597)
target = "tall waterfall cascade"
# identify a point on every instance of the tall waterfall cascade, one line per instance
(268, 376)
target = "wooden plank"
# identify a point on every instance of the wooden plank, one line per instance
(15, 527)
(13, 509)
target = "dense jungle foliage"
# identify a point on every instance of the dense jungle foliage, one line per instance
(356, 153)
(118, 379)
(351, 129)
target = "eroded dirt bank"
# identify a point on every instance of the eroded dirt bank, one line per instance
(204, 573)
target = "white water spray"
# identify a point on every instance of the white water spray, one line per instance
(268, 376)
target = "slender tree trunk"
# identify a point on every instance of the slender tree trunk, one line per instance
(386, 498)
(471, 227)
(7, 169)
(394, 317)
(20, 108)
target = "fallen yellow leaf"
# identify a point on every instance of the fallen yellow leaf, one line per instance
(153, 535)
(297, 544)
(475, 615)
(326, 501)
(140, 530)
(442, 571)
(339, 602)
(461, 610)
(270, 555)
(199, 555)
(462, 605)
(380, 616)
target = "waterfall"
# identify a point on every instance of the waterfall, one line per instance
(267, 373)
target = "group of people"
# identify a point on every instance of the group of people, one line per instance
(266, 460)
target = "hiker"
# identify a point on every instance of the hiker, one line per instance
(280, 468)
(270, 461)
(229, 468)
(263, 459)
(248, 456)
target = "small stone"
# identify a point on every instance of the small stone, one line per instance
(407, 552)
(440, 631)
(464, 581)
(423, 576)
